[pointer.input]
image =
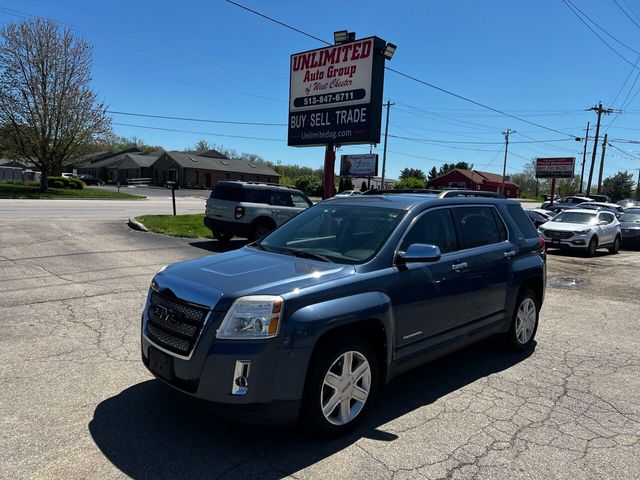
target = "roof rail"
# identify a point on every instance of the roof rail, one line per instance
(402, 190)
(252, 182)
(469, 193)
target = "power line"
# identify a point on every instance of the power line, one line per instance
(575, 10)
(199, 133)
(202, 120)
(411, 77)
(417, 139)
(627, 14)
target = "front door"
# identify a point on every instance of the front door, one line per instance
(207, 180)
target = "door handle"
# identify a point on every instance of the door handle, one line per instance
(509, 253)
(459, 266)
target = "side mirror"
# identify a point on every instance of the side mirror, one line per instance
(419, 252)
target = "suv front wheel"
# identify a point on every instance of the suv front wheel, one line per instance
(340, 387)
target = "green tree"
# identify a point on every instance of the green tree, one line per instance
(433, 173)
(46, 100)
(618, 186)
(447, 167)
(412, 173)
(309, 184)
(410, 182)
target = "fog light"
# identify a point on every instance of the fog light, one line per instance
(240, 385)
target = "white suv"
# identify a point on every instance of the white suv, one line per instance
(585, 230)
(251, 209)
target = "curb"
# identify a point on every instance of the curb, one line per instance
(136, 225)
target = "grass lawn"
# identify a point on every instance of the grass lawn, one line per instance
(188, 226)
(8, 190)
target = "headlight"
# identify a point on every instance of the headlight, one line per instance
(252, 317)
(583, 232)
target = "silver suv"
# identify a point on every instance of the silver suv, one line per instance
(250, 209)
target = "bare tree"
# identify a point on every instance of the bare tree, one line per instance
(47, 107)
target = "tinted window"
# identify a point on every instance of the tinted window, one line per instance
(609, 217)
(256, 196)
(434, 228)
(281, 199)
(227, 192)
(478, 226)
(524, 223)
(299, 201)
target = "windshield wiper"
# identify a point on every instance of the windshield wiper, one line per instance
(304, 254)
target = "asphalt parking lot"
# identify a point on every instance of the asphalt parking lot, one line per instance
(76, 401)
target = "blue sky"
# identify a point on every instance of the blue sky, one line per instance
(212, 60)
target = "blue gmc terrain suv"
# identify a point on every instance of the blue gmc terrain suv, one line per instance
(310, 321)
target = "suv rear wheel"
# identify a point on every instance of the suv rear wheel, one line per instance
(524, 324)
(341, 386)
(222, 236)
(615, 248)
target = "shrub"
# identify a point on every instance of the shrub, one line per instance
(76, 183)
(72, 186)
(56, 184)
(409, 182)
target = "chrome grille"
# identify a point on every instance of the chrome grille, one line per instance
(173, 324)
(558, 235)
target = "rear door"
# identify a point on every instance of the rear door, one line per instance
(610, 229)
(488, 256)
(282, 208)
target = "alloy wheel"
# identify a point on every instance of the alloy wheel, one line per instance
(345, 388)
(526, 320)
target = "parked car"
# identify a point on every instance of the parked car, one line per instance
(594, 197)
(538, 218)
(628, 203)
(90, 180)
(567, 202)
(251, 209)
(556, 209)
(614, 208)
(349, 193)
(630, 225)
(582, 229)
(308, 322)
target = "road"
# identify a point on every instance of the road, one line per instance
(76, 401)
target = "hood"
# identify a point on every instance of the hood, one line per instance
(629, 224)
(566, 227)
(246, 271)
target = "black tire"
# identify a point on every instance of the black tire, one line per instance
(615, 248)
(222, 237)
(592, 247)
(328, 359)
(259, 231)
(513, 339)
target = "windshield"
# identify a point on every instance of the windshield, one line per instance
(335, 233)
(630, 217)
(575, 217)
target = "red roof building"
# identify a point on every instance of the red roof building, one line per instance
(475, 180)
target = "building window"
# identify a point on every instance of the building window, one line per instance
(228, 176)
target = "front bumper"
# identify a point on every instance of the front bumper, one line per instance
(275, 379)
(577, 241)
(631, 238)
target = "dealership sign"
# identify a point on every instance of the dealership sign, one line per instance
(365, 165)
(562, 167)
(335, 94)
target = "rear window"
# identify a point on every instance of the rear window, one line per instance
(524, 223)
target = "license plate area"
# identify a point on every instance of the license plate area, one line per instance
(555, 241)
(161, 364)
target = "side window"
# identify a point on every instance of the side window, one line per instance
(281, 199)
(434, 228)
(525, 225)
(478, 226)
(256, 196)
(607, 216)
(299, 201)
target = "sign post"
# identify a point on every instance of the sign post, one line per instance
(554, 168)
(335, 98)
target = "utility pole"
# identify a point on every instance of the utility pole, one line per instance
(506, 148)
(384, 153)
(599, 110)
(638, 186)
(604, 149)
(584, 158)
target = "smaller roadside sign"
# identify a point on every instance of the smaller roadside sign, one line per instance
(365, 165)
(555, 167)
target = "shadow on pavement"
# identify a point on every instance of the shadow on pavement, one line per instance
(575, 253)
(149, 431)
(219, 247)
